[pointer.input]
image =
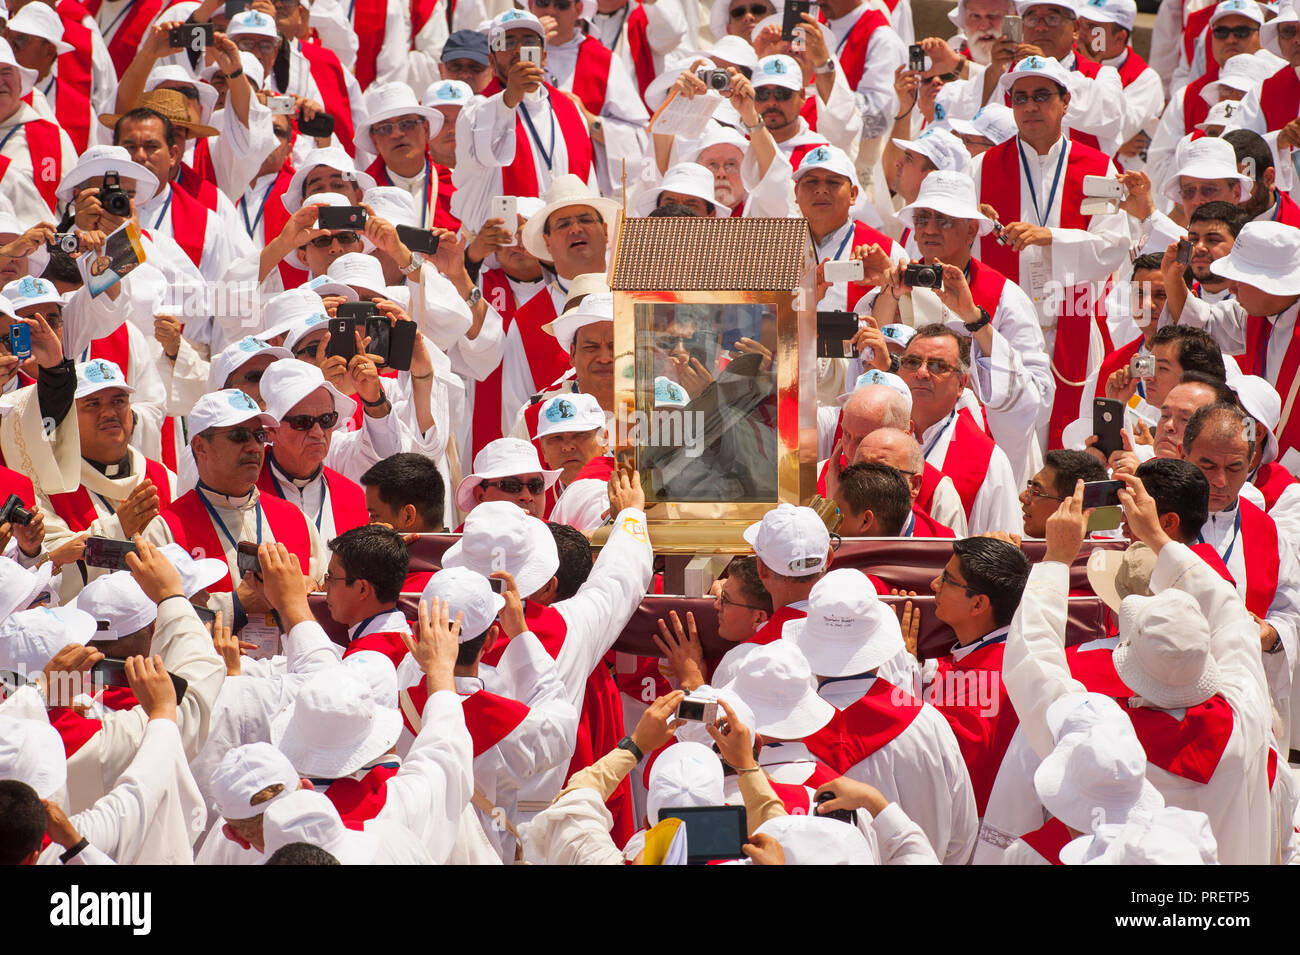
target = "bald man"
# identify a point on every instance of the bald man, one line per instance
(898, 449)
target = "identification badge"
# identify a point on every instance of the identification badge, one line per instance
(266, 635)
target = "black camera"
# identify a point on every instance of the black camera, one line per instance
(66, 242)
(13, 511)
(923, 276)
(719, 80)
(113, 197)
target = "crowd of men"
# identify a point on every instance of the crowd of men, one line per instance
(284, 287)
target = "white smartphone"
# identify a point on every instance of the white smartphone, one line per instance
(1103, 187)
(1013, 28)
(506, 209)
(844, 270)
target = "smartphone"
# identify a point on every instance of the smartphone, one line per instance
(531, 54)
(206, 616)
(192, 37)
(843, 270)
(506, 208)
(20, 340)
(107, 552)
(342, 337)
(1101, 493)
(235, 7)
(1107, 421)
(320, 127)
(1184, 251)
(112, 672)
(697, 711)
(338, 218)
(498, 584)
(246, 559)
(1013, 29)
(916, 58)
(834, 333)
(793, 17)
(843, 815)
(418, 240)
(379, 330)
(401, 345)
(713, 833)
(1103, 187)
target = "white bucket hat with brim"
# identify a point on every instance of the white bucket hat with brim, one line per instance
(295, 258)
(290, 380)
(32, 752)
(20, 586)
(685, 774)
(1261, 400)
(596, 307)
(307, 816)
(1114, 575)
(500, 535)
(99, 161)
(567, 190)
(504, 457)
(1266, 256)
(1169, 836)
(1244, 72)
(948, 193)
(686, 179)
(1206, 158)
(334, 726)
(1164, 651)
(41, 22)
(29, 639)
(286, 309)
(1228, 113)
(331, 157)
(197, 574)
(27, 77)
(1073, 713)
(1098, 776)
(1286, 13)
(848, 630)
(385, 101)
(777, 683)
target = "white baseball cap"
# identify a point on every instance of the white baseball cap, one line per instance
(29, 639)
(687, 179)
(32, 752)
(317, 321)
(307, 816)
(874, 376)
(897, 335)
(252, 23)
(995, 122)
(499, 26)
(778, 70)
(244, 772)
(1023, 5)
(394, 204)
(30, 290)
(569, 412)
(222, 409)
(1121, 12)
(684, 774)
(593, 309)
(238, 354)
(831, 158)
(288, 308)
(99, 374)
(500, 535)
(385, 101)
(20, 586)
(118, 604)
(1206, 158)
(848, 630)
(466, 592)
(101, 160)
(1265, 255)
(941, 147)
(949, 193)
(1048, 67)
(504, 457)
(252, 69)
(331, 157)
(288, 382)
(207, 93)
(791, 541)
(197, 574)
(447, 93)
(1244, 8)
(335, 725)
(323, 285)
(777, 683)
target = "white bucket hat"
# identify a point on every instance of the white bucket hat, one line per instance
(819, 840)
(27, 77)
(848, 630)
(1286, 13)
(595, 308)
(32, 752)
(447, 93)
(1074, 713)
(994, 122)
(1265, 255)
(222, 409)
(99, 374)
(1097, 776)
(949, 193)
(244, 772)
(20, 586)
(100, 160)
(385, 101)
(468, 593)
(1264, 404)
(1206, 158)
(29, 639)
(1121, 12)
(43, 22)
(394, 204)
(307, 816)
(714, 136)
(504, 457)
(331, 157)
(792, 541)
(323, 285)
(1164, 650)
(1244, 72)
(334, 726)
(359, 271)
(197, 574)
(1170, 836)
(567, 190)
(500, 535)
(569, 412)
(295, 258)
(941, 147)
(289, 308)
(777, 683)
(685, 774)
(778, 70)
(118, 605)
(289, 381)
(238, 354)
(687, 179)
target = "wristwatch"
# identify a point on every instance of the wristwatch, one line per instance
(627, 744)
(597, 125)
(417, 260)
(980, 322)
(474, 297)
(827, 67)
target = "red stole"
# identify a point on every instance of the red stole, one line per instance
(1196, 28)
(1089, 69)
(591, 74)
(865, 726)
(930, 478)
(43, 144)
(194, 182)
(1095, 669)
(486, 425)
(389, 643)
(923, 525)
(967, 459)
(599, 468)
(1259, 543)
(115, 347)
(327, 72)
(1114, 362)
(347, 499)
(360, 800)
(421, 10)
(853, 52)
(520, 177)
(71, 104)
(488, 717)
(1279, 97)
(189, 219)
(192, 528)
(770, 632)
(369, 19)
(986, 284)
(1049, 839)
(1287, 212)
(546, 359)
(202, 164)
(77, 510)
(1271, 480)
(1190, 748)
(15, 482)
(1195, 109)
(1258, 332)
(637, 27)
(125, 43)
(74, 729)
(798, 152)
(1132, 67)
(274, 218)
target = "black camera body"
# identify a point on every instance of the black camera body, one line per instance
(718, 80)
(113, 197)
(13, 512)
(923, 276)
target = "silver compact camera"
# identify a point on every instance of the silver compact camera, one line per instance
(717, 80)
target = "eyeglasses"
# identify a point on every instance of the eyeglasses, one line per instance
(560, 5)
(265, 45)
(242, 435)
(1035, 490)
(559, 225)
(753, 10)
(337, 578)
(308, 351)
(342, 238)
(1208, 191)
(778, 93)
(1052, 20)
(304, 422)
(922, 220)
(512, 485)
(937, 367)
(730, 167)
(1038, 96)
(1288, 31)
(949, 581)
(1241, 32)
(724, 600)
(253, 377)
(514, 43)
(405, 126)
(671, 342)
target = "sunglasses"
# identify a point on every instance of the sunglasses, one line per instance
(304, 422)
(1241, 32)
(307, 351)
(342, 238)
(405, 126)
(778, 93)
(560, 5)
(514, 485)
(922, 220)
(1038, 96)
(937, 367)
(244, 435)
(754, 10)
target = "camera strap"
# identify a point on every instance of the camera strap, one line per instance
(1044, 213)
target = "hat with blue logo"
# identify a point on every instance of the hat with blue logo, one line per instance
(994, 122)
(1047, 67)
(1121, 12)
(874, 376)
(224, 409)
(569, 412)
(99, 374)
(252, 23)
(513, 20)
(447, 93)
(317, 321)
(29, 290)
(831, 158)
(236, 355)
(1241, 8)
(778, 70)
(939, 146)
(669, 394)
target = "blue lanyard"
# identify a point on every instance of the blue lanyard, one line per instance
(532, 130)
(243, 207)
(126, 7)
(909, 529)
(166, 205)
(1043, 216)
(935, 440)
(865, 675)
(361, 627)
(1277, 208)
(840, 251)
(221, 525)
(9, 135)
(1236, 529)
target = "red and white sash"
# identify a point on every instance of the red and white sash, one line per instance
(520, 177)
(43, 145)
(77, 510)
(327, 73)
